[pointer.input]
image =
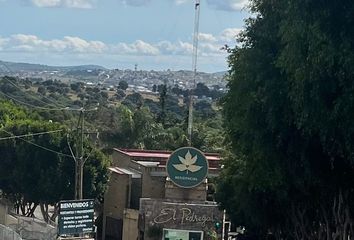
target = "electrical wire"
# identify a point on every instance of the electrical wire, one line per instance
(29, 135)
(45, 108)
(39, 146)
(88, 155)
(37, 98)
(31, 105)
(71, 151)
(39, 107)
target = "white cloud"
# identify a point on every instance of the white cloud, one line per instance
(228, 5)
(209, 45)
(145, 48)
(225, 5)
(207, 37)
(79, 45)
(178, 48)
(139, 47)
(179, 2)
(229, 34)
(135, 2)
(46, 3)
(63, 3)
(68, 44)
(210, 49)
(154, 55)
(24, 39)
(3, 42)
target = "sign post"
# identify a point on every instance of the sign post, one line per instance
(187, 167)
(76, 217)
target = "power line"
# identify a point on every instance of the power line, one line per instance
(37, 145)
(45, 108)
(31, 105)
(39, 107)
(29, 135)
(15, 85)
(34, 97)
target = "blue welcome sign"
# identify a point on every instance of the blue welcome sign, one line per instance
(187, 167)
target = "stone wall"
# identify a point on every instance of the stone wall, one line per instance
(197, 193)
(159, 214)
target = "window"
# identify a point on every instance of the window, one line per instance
(176, 234)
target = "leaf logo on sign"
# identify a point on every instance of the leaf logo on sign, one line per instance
(187, 163)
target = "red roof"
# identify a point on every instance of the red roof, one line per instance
(162, 156)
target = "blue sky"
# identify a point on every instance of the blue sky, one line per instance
(155, 34)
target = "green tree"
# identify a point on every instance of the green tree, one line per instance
(201, 90)
(41, 90)
(162, 98)
(204, 109)
(123, 85)
(120, 94)
(115, 125)
(134, 100)
(76, 86)
(145, 129)
(39, 170)
(288, 116)
(9, 112)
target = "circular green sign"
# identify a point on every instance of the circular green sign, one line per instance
(187, 167)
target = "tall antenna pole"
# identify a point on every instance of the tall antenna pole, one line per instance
(194, 63)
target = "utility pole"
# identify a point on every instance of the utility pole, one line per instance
(79, 157)
(79, 163)
(194, 63)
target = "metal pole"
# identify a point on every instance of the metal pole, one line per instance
(223, 225)
(194, 63)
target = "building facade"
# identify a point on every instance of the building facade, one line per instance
(143, 203)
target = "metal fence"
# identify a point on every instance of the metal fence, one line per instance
(7, 233)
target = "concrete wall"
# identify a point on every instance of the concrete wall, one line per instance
(120, 160)
(3, 214)
(152, 187)
(116, 198)
(5, 218)
(130, 224)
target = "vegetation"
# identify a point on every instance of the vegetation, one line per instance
(289, 116)
(38, 170)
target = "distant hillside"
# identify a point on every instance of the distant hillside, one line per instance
(111, 77)
(221, 74)
(19, 67)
